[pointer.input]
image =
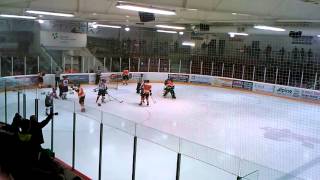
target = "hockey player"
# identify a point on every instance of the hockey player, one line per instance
(125, 77)
(145, 92)
(54, 93)
(49, 101)
(64, 87)
(169, 87)
(102, 91)
(81, 96)
(139, 83)
(40, 80)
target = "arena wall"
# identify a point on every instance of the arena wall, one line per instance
(30, 81)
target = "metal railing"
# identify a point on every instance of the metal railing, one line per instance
(304, 73)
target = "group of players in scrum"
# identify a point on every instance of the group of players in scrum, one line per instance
(63, 91)
(144, 88)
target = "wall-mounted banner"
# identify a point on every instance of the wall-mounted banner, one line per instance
(78, 78)
(287, 91)
(135, 76)
(266, 88)
(60, 40)
(222, 82)
(310, 95)
(237, 84)
(200, 79)
(19, 81)
(179, 77)
(242, 85)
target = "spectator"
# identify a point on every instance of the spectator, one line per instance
(16, 123)
(257, 53)
(268, 52)
(310, 54)
(249, 51)
(21, 156)
(302, 54)
(295, 53)
(34, 128)
(282, 52)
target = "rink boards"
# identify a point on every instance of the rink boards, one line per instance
(258, 87)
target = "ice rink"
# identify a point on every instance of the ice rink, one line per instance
(273, 132)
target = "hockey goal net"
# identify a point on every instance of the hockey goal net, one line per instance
(112, 80)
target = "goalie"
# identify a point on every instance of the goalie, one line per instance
(145, 92)
(102, 91)
(169, 88)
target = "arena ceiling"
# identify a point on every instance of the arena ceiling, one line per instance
(216, 12)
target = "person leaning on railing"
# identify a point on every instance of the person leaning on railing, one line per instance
(29, 132)
(27, 159)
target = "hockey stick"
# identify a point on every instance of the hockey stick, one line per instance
(120, 101)
(153, 100)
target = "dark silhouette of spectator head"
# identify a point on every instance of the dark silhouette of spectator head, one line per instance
(310, 53)
(33, 118)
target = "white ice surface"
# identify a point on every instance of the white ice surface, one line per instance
(273, 132)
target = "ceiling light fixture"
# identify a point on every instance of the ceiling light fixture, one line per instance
(269, 28)
(318, 36)
(170, 27)
(181, 33)
(40, 21)
(17, 16)
(186, 43)
(138, 8)
(164, 31)
(233, 34)
(240, 14)
(107, 26)
(127, 29)
(50, 13)
(93, 24)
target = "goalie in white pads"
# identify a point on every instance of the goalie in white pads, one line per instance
(102, 91)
